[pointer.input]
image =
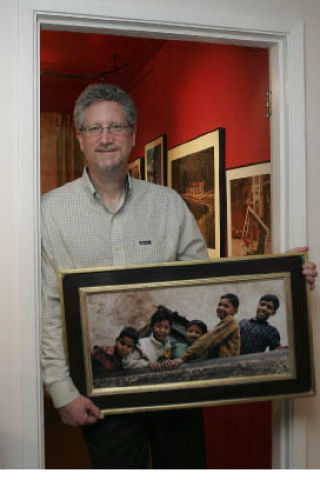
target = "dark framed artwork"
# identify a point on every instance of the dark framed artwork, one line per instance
(98, 303)
(249, 210)
(136, 168)
(196, 171)
(155, 160)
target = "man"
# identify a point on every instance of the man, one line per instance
(256, 334)
(108, 218)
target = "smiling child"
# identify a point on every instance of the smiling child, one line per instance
(221, 341)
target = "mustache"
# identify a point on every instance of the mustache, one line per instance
(106, 149)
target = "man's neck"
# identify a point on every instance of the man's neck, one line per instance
(111, 187)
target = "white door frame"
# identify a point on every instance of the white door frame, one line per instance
(285, 40)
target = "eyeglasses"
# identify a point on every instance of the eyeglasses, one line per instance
(95, 131)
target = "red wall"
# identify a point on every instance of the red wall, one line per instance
(189, 89)
(186, 90)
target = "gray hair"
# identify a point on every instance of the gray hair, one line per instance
(100, 92)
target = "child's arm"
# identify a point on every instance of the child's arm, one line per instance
(176, 362)
(136, 359)
(210, 339)
(155, 365)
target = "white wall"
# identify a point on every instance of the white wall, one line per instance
(11, 339)
(10, 347)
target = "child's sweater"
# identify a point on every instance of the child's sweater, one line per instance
(148, 349)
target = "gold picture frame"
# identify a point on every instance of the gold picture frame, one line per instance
(155, 160)
(136, 168)
(196, 170)
(249, 210)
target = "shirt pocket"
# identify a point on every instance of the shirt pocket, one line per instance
(156, 247)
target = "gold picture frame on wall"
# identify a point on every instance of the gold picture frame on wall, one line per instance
(98, 303)
(196, 170)
(136, 168)
(249, 210)
(155, 160)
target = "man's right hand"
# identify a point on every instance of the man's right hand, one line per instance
(80, 412)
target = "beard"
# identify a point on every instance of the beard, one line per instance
(108, 165)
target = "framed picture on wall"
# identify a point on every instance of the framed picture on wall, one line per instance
(136, 168)
(196, 170)
(249, 210)
(155, 160)
(97, 304)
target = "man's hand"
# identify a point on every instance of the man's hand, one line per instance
(308, 269)
(80, 412)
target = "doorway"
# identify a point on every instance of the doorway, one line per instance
(182, 89)
(285, 41)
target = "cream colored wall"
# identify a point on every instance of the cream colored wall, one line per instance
(10, 347)
(11, 342)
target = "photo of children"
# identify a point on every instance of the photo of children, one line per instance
(166, 337)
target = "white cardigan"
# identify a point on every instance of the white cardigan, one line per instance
(148, 349)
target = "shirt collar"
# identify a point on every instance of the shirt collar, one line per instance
(86, 181)
(88, 185)
(128, 186)
(261, 322)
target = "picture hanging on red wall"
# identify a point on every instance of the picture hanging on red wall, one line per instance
(136, 168)
(249, 210)
(155, 162)
(196, 170)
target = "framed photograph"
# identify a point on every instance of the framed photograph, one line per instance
(196, 170)
(136, 168)
(249, 210)
(99, 304)
(155, 161)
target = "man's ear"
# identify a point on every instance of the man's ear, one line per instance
(80, 139)
(134, 132)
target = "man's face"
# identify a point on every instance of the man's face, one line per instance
(193, 333)
(161, 330)
(225, 308)
(264, 310)
(106, 152)
(124, 346)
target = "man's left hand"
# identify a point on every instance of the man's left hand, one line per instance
(308, 269)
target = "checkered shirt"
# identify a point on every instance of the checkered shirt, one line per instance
(151, 225)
